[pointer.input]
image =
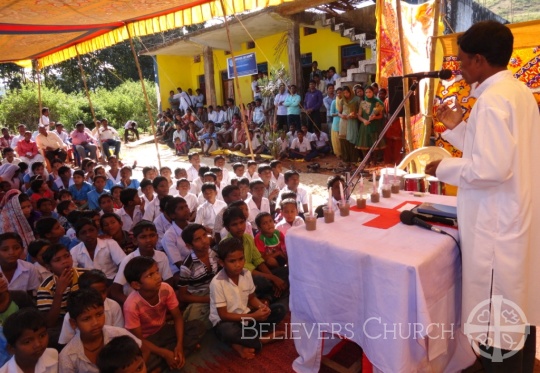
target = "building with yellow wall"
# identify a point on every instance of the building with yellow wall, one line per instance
(181, 63)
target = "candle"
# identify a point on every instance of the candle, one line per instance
(310, 208)
(395, 172)
(361, 185)
(374, 182)
(330, 199)
(341, 195)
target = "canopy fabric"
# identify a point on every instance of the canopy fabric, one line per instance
(52, 31)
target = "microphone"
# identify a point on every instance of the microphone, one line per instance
(409, 218)
(443, 74)
(436, 219)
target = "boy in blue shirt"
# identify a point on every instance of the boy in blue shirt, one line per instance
(99, 189)
(80, 189)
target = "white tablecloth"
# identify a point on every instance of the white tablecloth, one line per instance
(396, 292)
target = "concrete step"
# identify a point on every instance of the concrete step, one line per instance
(360, 77)
(370, 68)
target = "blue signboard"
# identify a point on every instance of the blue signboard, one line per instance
(246, 64)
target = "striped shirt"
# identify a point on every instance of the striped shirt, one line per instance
(195, 275)
(47, 290)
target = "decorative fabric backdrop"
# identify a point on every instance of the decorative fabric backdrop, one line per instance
(525, 64)
(417, 24)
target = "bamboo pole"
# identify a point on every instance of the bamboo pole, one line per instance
(237, 83)
(148, 109)
(428, 118)
(407, 119)
(39, 90)
(83, 76)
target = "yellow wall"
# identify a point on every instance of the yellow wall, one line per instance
(173, 71)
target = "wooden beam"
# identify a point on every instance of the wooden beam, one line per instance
(294, 7)
(293, 47)
(209, 82)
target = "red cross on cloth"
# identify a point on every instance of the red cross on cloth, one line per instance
(386, 218)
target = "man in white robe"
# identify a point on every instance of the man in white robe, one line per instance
(498, 200)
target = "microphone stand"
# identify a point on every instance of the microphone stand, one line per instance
(362, 165)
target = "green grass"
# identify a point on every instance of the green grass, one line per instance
(514, 10)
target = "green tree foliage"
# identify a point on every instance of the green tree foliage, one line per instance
(119, 105)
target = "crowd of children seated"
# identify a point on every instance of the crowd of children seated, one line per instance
(96, 265)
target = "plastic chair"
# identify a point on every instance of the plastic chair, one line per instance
(421, 157)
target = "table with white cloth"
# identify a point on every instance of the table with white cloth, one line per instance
(396, 291)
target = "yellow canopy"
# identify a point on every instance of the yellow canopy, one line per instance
(52, 31)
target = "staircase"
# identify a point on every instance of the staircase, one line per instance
(366, 68)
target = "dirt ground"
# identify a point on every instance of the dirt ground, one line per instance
(146, 155)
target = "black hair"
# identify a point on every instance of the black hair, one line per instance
(81, 223)
(243, 181)
(102, 197)
(164, 168)
(203, 170)
(334, 179)
(11, 236)
(24, 319)
(171, 204)
(146, 169)
(255, 182)
(23, 197)
(83, 300)
(158, 180)
(252, 163)
(79, 173)
(44, 226)
(189, 231)
(290, 174)
(64, 191)
(264, 167)
(163, 202)
(36, 184)
(490, 39)
(237, 165)
(62, 206)
(91, 277)
(127, 195)
(210, 174)
(288, 201)
(41, 201)
(35, 165)
(99, 177)
(7, 150)
(141, 226)
(73, 216)
(207, 186)
(231, 213)
(136, 267)
(116, 187)
(118, 354)
(109, 215)
(288, 195)
(144, 183)
(227, 190)
(260, 217)
(182, 180)
(192, 154)
(51, 251)
(23, 166)
(229, 246)
(218, 157)
(35, 247)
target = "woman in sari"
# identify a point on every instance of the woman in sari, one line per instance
(10, 173)
(12, 217)
(348, 107)
(371, 116)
